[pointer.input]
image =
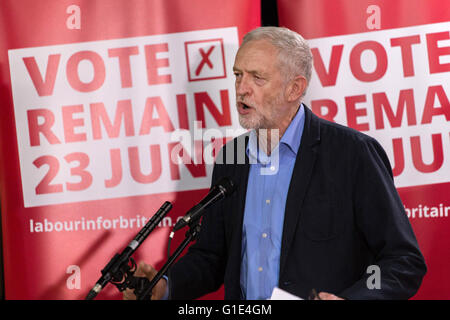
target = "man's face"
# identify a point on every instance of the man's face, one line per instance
(260, 90)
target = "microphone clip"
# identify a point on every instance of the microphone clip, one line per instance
(123, 277)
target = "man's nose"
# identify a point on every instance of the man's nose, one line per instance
(242, 86)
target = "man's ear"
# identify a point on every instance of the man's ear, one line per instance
(296, 88)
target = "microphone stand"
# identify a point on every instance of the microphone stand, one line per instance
(145, 292)
(120, 269)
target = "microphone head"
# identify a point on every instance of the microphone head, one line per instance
(227, 185)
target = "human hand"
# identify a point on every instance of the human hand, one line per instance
(146, 270)
(327, 296)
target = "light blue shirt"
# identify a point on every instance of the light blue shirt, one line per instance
(268, 185)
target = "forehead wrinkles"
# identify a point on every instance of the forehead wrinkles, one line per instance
(257, 54)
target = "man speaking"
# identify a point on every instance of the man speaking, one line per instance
(315, 205)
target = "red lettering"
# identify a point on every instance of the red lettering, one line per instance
(205, 60)
(70, 123)
(123, 115)
(183, 119)
(147, 119)
(79, 171)
(318, 105)
(355, 61)
(429, 111)
(222, 118)
(176, 151)
(353, 113)
(98, 71)
(135, 166)
(399, 158)
(405, 44)
(438, 153)
(43, 87)
(45, 185)
(217, 144)
(405, 100)
(328, 78)
(123, 54)
(153, 63)
(35, 129)
(116, 167)
(434, 52)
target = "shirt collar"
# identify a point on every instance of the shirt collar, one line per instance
(291, 138)
(293, 133)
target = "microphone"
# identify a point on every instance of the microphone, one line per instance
(118, 265)
(220, 190)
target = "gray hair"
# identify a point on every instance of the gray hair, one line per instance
(294, 56)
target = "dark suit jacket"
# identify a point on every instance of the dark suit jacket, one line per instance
(342, 215)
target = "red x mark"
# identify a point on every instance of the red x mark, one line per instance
(205, 59)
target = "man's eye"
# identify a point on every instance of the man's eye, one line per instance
(259, 80)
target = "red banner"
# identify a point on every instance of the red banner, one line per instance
(383, 68)
(96, 97)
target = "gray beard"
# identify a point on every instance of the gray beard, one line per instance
(258, 121)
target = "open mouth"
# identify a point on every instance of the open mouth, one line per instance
(244, 108)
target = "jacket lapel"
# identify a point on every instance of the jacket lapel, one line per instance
(301, 176)
(240, 176)
(242, 173)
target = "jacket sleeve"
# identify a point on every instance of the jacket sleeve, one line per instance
(381, 218)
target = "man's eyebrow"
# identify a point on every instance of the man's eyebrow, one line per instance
(251, 71)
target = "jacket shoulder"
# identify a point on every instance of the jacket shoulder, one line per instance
(341, 139)
(335, 130)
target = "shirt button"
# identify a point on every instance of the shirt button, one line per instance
(268, 201)
(260, 269)
(264, 235)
